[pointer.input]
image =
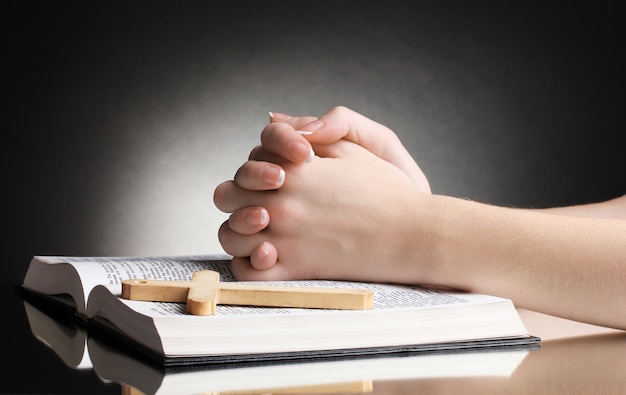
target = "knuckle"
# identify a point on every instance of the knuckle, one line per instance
(227, 238)
(221, 196)
(218, 196)
(339, 110)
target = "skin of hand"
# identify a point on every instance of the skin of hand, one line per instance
(327, 222)
(299, 216)
(277, 140)
(613, 208)
(342, 123)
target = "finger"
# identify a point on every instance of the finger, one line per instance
(244, 271)
(261, 155)
(255, 155)
(253, 151)
(343, 123)
(249, 220)
(236, 244)
(264, 256)
(259, 176)
(220, 197)
(229, 197)
(339, 123)
(281, 139)
(295, 122)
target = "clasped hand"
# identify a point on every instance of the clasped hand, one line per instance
(345, 212)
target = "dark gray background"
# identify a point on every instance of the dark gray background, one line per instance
(128, 114)
(122, 117)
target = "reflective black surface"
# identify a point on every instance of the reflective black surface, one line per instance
(30, 366)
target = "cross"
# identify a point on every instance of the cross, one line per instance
(205, 291)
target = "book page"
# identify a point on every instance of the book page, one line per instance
(419, 314)
(111, 271)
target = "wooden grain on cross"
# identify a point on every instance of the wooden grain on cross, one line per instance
(205, 291)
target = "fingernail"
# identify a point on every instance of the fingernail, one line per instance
(301, 150)
(281, 177)
(266, 250)
(256, 217)
(310, 157)
(274, 175)
(311, 127)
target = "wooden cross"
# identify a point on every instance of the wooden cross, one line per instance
(205, 291)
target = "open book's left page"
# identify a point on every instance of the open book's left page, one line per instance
(77, 276)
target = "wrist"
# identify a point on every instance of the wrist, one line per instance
(458, 234)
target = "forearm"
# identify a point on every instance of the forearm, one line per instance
(614, 208)
(568, 266)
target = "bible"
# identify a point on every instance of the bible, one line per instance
(403, 318)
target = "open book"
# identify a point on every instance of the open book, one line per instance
(113, 362)
(404, 318)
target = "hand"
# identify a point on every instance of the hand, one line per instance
(292, 138)
(339, 123)
(347, 214)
